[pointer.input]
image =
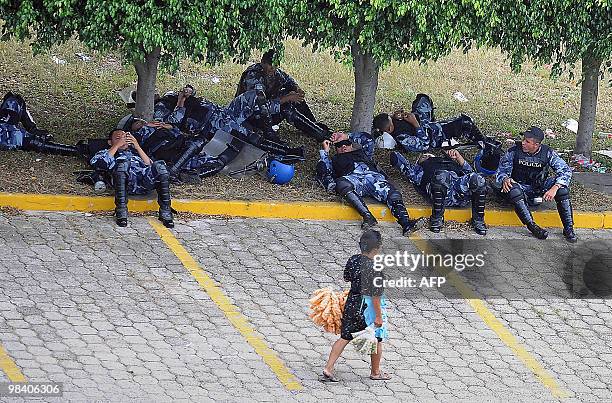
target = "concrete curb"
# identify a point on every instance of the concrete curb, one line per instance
(285, 210)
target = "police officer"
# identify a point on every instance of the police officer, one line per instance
(278, 85)
(523, 177)
(447, 181)
(133, 172)
(352, 173)
(19, 131)
(201, 117)
(418, 131)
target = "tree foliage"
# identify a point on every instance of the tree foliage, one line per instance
(556, 32)
(209, 30)
(369, 34)
(389, 30)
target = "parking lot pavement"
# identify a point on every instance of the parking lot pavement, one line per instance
(217, 309)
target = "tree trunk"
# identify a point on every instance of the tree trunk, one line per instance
(147, 76)
(588, 105)
(366, 83)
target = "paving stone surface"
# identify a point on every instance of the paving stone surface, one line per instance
(113, 313)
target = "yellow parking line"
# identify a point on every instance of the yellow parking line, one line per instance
(505, 335)
(216, 294)
(9, 367)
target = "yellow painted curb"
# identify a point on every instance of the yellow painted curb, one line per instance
(286, 210)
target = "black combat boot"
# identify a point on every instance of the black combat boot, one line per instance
(478, 212)
(564, 207)
(211, 168)
(163, 195)
(215, 166)
(470, 130)
(317, 131)
(273, 147)
(517, 198)
(357, 202)
(324, 177)
(276, 148)
(523, 213)
(398, 210)
(192, 150)
(120, 177)
(40, 145)
(438, 196)
(28, 123)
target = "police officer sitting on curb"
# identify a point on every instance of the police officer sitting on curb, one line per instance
(447, 181)
(134, 173)
(523, 176)
(353, 174)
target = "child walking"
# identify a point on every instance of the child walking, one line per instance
(365, 305)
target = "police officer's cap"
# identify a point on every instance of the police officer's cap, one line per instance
(535, 133)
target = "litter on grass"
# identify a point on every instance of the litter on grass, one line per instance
(460, 97)
(589, 164)
(83, 57)
(571, 125)
(57, 60)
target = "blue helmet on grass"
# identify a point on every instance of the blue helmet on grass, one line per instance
(487, 161)
(279, 173)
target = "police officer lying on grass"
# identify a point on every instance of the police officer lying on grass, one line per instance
(446, 181)
(182, 153)
(202, 118)
(276, 84)
(523, 178)
(352, 173)
(19, 131)
(134, 172)
(166, 143)
(418, 131)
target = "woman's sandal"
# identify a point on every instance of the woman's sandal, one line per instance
(328, 377)
(381, 376)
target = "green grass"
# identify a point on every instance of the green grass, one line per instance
(78, 100)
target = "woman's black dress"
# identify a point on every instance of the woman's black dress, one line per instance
(352, 316)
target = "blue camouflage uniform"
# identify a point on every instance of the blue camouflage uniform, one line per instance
(11, 136)
(229, 118)
(433, 134)
(197, 163)
(216, 117)
(237, 112)
(366, 181)
(145, 132)
(563, 174)
(275, 86)
(413, 143)
(458, 194)
(162, 113)
(141, 177)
